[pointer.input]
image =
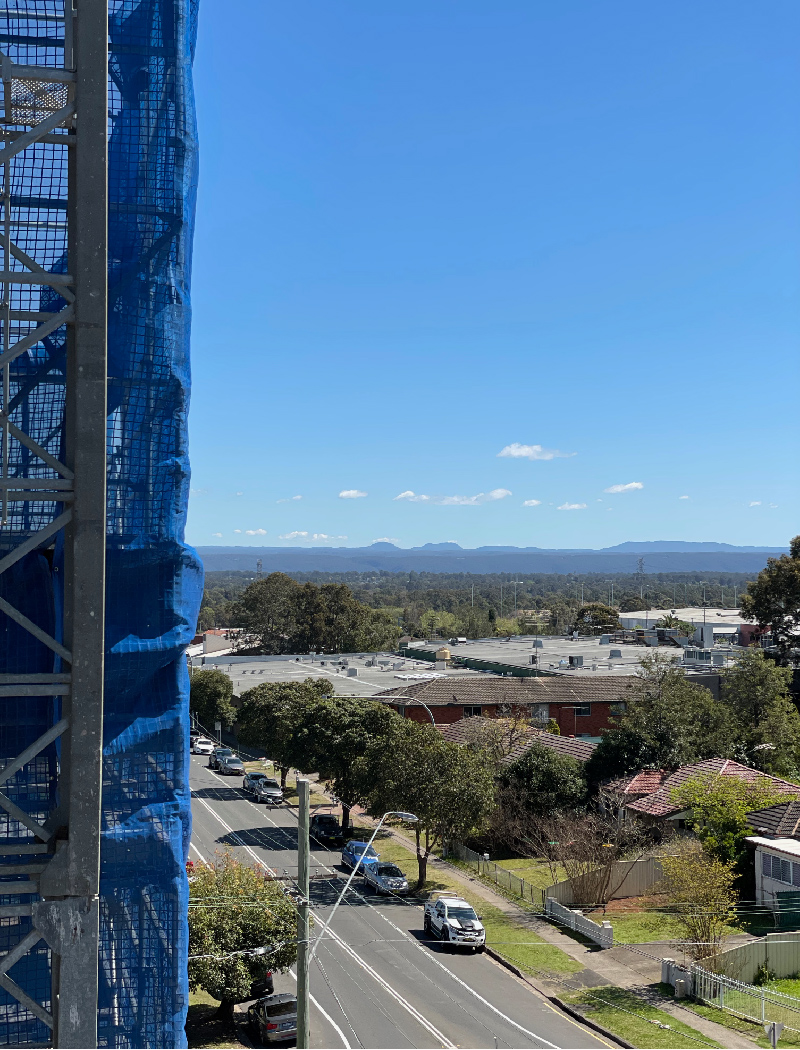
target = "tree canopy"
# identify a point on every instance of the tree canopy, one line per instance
(283, 616)
(668, 722)
(235, 909)
(211, 693)
(756, 691)
(542, 781)
(594, 618)
(773, 600)
(449, 787)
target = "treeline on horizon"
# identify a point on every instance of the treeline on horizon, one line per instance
(479, 605)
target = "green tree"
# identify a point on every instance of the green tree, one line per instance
(450, 788)
(344, 730)
(668, 722)
(595, 618)
(719, 806)
(210, 696)
(701, 886)
(542, 781)
(773, 600)
(236, 909)
(672, 622)
(279, 718)
(757, 692)
(267, 610)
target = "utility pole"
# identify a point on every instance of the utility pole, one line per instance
(303, 1025)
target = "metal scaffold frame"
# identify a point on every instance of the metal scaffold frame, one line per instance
(66, 107)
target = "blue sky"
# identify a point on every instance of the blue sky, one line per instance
(495, 254)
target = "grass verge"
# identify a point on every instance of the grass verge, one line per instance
(513, 940)
(209, 1036)
(634, 1019)
(750, 1029)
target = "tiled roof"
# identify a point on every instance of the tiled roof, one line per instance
(519, 740)
(660, 804)
(487, 689)
(643, 783)
(782, 820)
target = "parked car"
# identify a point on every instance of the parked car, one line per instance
(268, 791)
(325, 828)
(230, 766)
(273, 1018)
(203, 746)
(250, 780)
(217, 754)
(386, 878)
(355, 849)
(452, 919)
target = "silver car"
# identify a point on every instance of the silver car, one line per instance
(385, 878)
(268, 791)
(230, 766)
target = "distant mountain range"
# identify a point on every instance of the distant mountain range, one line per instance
(659, 556)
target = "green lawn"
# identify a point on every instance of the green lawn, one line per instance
(537, 872)
(638, 927)
(514, 941)
(629, 1016)
(750, 1029)
(787, 985)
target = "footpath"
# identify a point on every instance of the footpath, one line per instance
(637, 968)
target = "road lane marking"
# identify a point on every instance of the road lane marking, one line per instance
(197, 851)
(327, 1017)
(420, 1018)
(234, 835)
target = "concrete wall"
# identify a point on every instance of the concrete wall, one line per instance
(600, 933)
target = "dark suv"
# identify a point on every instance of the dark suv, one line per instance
(216, 755)
(325, 828)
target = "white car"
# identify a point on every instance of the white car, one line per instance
(203, 746)
(453, 920)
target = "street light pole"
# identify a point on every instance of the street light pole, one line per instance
(303, 850)
(411, 818)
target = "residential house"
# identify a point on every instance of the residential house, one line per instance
(581, 707)
(513, 738)
(651, 792)
(777, 854)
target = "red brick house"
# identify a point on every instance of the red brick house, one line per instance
(582, 707)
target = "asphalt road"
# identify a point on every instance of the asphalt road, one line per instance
(377, 983)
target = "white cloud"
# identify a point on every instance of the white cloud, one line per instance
(774, 506)
(255, 532)
(288, 499)
(351, 494)
(412, 497)
(325, 536)
(632, 486)
(239, 493)
(217, 534)
(754, 503)
(517, 451)
(456, 501)
(237, 530)
(572, 506)
(532, 503)
(683, 497)
(386, 539)
(293, 536)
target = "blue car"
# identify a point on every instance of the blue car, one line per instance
(353, 850)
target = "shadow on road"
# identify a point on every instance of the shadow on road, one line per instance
(268, 838)
(223, 793)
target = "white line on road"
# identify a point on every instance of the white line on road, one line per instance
(327, 1017)
(197, 851)
(233, 834)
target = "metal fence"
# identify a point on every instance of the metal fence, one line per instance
(746, 1000)
(626, 878)
(501, 877)
(777, 952)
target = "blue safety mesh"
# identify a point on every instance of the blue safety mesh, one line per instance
(154, 581)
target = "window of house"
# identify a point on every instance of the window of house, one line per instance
(583, 710)
(470, 711)
(619, 707)
(781, 870)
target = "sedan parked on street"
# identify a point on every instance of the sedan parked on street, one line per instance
(217, 754)
(268, 791)
(201, 745)
(250, 781)
(355, 849)
(386, 878)
(325, 828)
(273, 1018)
(230, 766)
